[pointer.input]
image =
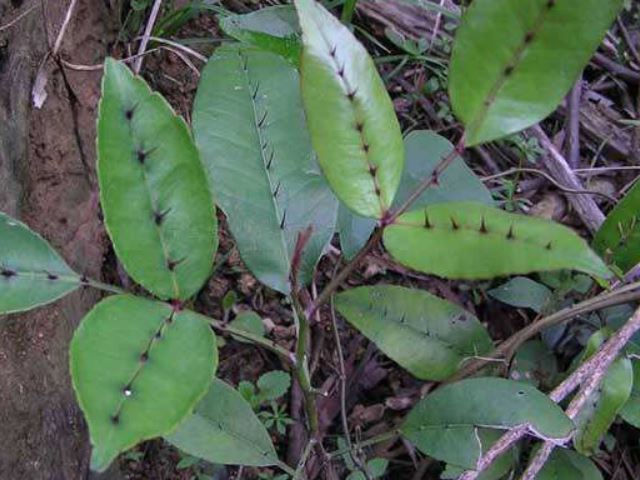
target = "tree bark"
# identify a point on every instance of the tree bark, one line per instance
(47, 178)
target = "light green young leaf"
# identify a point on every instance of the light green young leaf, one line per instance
(249, 322)
(444, 424)
(31, 272)
(351, 119)
(618, 239)
(428, 336)
(566, 464)
(630, 413)
(224, 429)
(522, 292)
(157, 207)
(472, 241)
(249, 125)
(514, 60)
(423, 151)
(273, 385)
(275, 29)
(603, 405)
(138, 368)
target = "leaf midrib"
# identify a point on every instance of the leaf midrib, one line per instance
(256, 120)
(514, 61)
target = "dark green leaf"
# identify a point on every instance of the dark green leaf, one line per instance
(522, 292)
(157, 207)
(31, 272)
(350, 115)
(428, 336)
(444, 424)
(138, 368)
(474, 241)
(618, 239)
(249, 125)
(498, 469)
(423, 150)
(566, 464)
(631, 410)
(535, 363)
(224, 429)
(514, 60)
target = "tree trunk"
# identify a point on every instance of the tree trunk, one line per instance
(47, 179)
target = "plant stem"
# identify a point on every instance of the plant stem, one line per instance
(428, 182)
(302, 368)
(362, 467)
(299, 473)
(388, 219)
(287, 469)
(348, 10)
(591, 372)
(337, 280)
(258, 340)
(105, 287)
(506, 349)
(383, 437)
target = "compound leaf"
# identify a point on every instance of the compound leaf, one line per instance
(138, 368)
(564, 464)
(31, 272)
(249, 125)
(423, 151)
(444, 424)
(351, 119)
(157, 207)
(428, 336)
(618, 239)
(472, 241)
(224, 429)
(514, 60)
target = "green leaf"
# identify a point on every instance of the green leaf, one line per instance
(138, 368)
(522, 292)
(423, 152)
(428, 336)
(224, 429)
(376, 467)
(249, 125)
(472, 241)
(566, 464)
(31, 272)
(603, 405)
(157, 207)
(275, 29)
(498, 468)
(273, 385)
(535, 363)
(249, 322)
(351, 119)
(444, 424)
(631, 410)
(618, 239)
(513, 61)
